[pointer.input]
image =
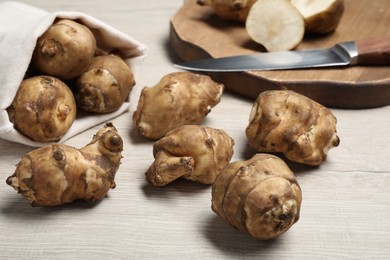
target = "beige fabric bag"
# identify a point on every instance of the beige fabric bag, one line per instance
(20, 27)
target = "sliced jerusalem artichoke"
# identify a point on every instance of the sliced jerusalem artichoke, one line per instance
(275, 24)
(58, 174)
(260, 196)
(321, 16)
(235, 10)
(289, 123)
(192, 152)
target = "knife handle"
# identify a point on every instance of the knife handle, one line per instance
(373, 51)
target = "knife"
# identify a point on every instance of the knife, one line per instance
(374, 51)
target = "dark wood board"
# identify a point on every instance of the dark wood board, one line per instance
(197, 33)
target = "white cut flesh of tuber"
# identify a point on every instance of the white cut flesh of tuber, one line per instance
(321, 16)
(275, 24)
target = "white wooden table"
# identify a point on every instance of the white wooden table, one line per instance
(346, 201)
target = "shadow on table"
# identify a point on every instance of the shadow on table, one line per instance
(18, 207)
(235, 243)
(179, 187)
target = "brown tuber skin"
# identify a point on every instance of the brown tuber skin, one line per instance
(64, 50)
(105, 85)
(180, 98)
(260, 196)
(290, 123)
(43, 108)
(234, 10)
(192, 152)
(58, 174)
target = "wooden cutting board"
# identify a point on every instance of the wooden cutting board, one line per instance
(196, 33)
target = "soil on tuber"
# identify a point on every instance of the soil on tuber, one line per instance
(58, 174)
(43, 109)
(105, 85)
(192, 152)
(180, 98)
(295, 125)
(64, 50)
(260, 196)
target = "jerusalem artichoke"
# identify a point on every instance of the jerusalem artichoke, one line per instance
(193, 152)
(275, 24)
(321, 16)
(180, 98)
(43, 108)
(59, 174)
(287, 122)
(260, 196)
(64, 50)
(105, 85)
(235, 10)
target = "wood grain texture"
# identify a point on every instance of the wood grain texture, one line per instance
(345, 207)
(197, 33)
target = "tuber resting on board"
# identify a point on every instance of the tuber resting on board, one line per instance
(180, 98)
(43, 109)
(64, 50)
(290, 123)
(192, 152)
(320, 16)
(58, 174)
(105, 84)
(235, 10)
(260, 196)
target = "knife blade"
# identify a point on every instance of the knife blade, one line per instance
(374, 51)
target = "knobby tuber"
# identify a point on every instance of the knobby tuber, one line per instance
(285, 121)
(260, 196)
(43, 108)
(105, 84)
(192, 152)
(58, 174)
(180, 98)
(64, 50)
(235, 10)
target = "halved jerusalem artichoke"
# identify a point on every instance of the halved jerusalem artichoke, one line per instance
(290, 123)
(275, 24)
(321, 16)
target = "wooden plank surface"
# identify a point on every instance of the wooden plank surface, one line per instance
(196, 32)
(345, 209)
